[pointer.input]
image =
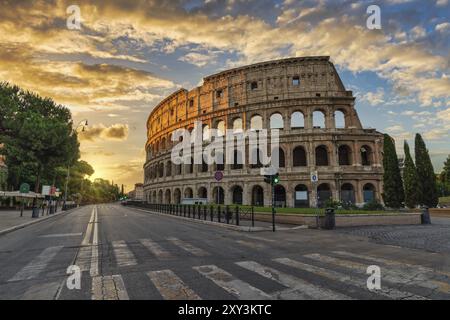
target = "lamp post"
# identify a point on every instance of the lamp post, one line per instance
(82, 124)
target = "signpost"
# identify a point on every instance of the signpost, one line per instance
(24, 189)
(314, 181)
(218, 175)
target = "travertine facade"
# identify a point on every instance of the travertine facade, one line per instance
(291, 94)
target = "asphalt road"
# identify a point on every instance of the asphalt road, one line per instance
(125, 253)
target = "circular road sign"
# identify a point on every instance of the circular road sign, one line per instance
(24, 188)
(218, 175)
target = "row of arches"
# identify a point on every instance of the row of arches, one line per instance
(299, 158)
(301, 196)
(275, 121)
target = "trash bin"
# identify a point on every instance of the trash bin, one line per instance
(425, 217)
(329, 221)
(35, 212)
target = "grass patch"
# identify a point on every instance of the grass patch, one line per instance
(444, 200)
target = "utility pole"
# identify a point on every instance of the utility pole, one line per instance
(272, 180)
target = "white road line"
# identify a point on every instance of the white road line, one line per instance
(60, 235)
(346, 279)
(83, 259)
(299, 289)
(124, 256)
(170, 286)
(188, 247)
(37, 265)
(94, 252)
(389, 275)
(109, 288)
(155, 248)
(236, 287)
(87, 235)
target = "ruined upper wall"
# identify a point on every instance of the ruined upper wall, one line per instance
(293, 78)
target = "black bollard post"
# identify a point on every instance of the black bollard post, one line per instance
(218, 213)
(237, 215)
(211, 212)
(329, 221)
(227, 214)
(425, 217)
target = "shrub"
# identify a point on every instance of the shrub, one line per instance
(373, 206)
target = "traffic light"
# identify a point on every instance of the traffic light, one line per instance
(268, 179)
(272, 179)
(276, 179)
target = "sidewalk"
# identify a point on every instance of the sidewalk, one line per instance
(11, 220)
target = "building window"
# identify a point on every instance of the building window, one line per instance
(219, 94)
(254, 85)
(296, 81)
(191, 103)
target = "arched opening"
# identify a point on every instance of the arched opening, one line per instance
(366, 155)
(203, 193)
(161, 170)
(299, 157)
(339, 119)
(321, 156)
(237, 125)
(281, 158)
(220, 128)
(188, 194)
(323, 194)
(178, 169)
(318, 119)
(297, 120)
(190, 166)
(256, 122)
(169, 169)
(255, 161)
(347, 193)
(276, 121)
(219, 195)
(203, 166)
(167, 198)
(154, 198)
(279, 196)
(257, 196)
(369, 192)
(160, 196)
(237, 160)
(177, 196)
(301, 196)
(206, 133)
(344, 155)
(237, 195)
(219, 161)
(163, 144)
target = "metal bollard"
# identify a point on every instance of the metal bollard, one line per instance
(329, 222)
(211, 212)
(237, 215)
(425, 217)
(218, 213)
(227, 214)
(204, 212)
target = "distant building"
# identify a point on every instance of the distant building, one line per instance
(137, 193)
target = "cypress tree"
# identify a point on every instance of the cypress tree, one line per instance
(393, 194)
(445, 175)
(410, 180)
(425, 173)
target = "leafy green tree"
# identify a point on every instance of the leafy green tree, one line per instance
(425, 172)
(410, 180)
(393, 194)
(445, 174)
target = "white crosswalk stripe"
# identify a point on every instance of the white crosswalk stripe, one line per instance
(188, 247)
(124, 256)
(155, 249)
(37, 265)
(226, 281)
(300, 289)
(347, 279)
(170, 286)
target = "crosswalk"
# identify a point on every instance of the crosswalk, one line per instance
(327, 275)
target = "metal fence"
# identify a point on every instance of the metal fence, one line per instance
(227, 214)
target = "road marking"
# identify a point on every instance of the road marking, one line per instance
(226, 281)
(252, 245)
(341, 277)
(124, 256)
(155, 248)
(109, 288)
(57, 235)
(170, 286)
(37, 265)
(87, 235)
(94, 252)
(83, 259)
(300, 289)
(388, 275)
(188, 247)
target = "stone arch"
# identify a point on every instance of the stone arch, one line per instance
(177, 196)
(188, 194)
(168, 197)
(169, 168)
(276, 121)
(154, 198)
(237, 195)
(321, 153)
(237, 125)
(348, 193)
(297, 120)
(160, 196)
(257, 196)
(339, 119)
(202, 192)
(299, 158)
(366, 155)
(319, 117)
(256, 122)
(218, 195)
(220, 126)
(301, 196)
(323, 194)
(345, 155)
(369, 193)
(280, 196)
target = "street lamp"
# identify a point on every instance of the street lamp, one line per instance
(82, 124)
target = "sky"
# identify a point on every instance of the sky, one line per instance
(128, 55)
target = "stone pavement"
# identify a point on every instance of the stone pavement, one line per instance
(12, 218)
(434, 237)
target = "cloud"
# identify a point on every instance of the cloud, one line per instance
(116, 132)
(198, 59)
(374, 98)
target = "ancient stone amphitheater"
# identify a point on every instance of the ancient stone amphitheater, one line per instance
(319, 131)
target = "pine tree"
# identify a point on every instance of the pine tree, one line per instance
(425, 173)
(393, 194)
(445, 175)
(410, 180)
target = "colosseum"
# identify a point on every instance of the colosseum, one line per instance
(320, 131)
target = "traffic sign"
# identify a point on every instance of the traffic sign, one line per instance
(314, 176)
(24, 188)
(218, 175)
(45, 190)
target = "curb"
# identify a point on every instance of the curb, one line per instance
(21, 226)
(217, 224)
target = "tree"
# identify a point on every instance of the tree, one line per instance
(410, 180)
(426, 175)
(445, 174)
(393, 194)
